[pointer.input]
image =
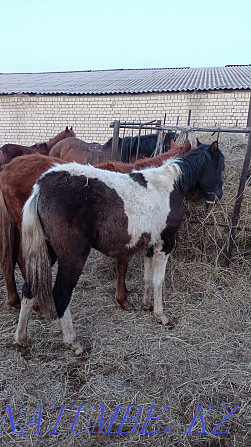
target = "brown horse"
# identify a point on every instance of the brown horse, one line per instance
(73, 149)
(10, 151)
(16, 181)
(75, 207)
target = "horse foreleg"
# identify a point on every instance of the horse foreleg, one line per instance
(159, 261)
(148, 274)
(121, 291)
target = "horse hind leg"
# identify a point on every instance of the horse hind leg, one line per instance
(27, 304)
(68, 274)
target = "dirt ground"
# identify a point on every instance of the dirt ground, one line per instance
(130, 359)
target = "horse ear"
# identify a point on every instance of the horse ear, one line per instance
(198, 142)
(214, 147)
(71, 128)
(66, 128)
(187, 145)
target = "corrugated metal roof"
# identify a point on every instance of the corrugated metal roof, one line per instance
(128, 81)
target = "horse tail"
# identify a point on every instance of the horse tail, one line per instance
(7, 227)
(36, 256)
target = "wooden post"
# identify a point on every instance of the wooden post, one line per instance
(115, 141)
(188, 121)
(238, 202)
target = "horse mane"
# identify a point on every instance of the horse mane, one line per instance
(192, 163)
(143, 163)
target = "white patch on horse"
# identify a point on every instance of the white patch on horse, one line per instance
(141, 205)
(158, 274)
(69, 334)
(154, 275)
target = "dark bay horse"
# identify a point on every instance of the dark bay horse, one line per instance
(73, 208)
(16, 181)
(74, 149)
(9, 151)
(127, 146)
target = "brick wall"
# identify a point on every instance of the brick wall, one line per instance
(26, 119)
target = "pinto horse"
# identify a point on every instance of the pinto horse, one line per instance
(10, 151)
(117, 214)
(16, 181)
(74, 149)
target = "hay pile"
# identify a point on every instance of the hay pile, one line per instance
(132, 359)
(206, 230)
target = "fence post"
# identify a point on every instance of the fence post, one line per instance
(115, 140)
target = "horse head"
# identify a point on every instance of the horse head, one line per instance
(210, 181)
(69, 132)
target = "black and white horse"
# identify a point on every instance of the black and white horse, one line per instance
(73, 208)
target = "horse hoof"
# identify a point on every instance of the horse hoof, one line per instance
(76, 348)
(78, 351)
(147, 307)
(125, 305)
(13, 305)
(22, 342)
(162, 319)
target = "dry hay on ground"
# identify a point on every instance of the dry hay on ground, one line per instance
(205, 359)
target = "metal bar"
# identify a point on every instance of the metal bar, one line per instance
(133, 123)
(188, 128)
(115, 140)
(238, 202)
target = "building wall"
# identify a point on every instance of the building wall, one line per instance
(27, 119)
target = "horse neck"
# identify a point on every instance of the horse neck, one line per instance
(191, 165)
(57, 138)
(163, 177)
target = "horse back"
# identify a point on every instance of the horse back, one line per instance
(18, 177)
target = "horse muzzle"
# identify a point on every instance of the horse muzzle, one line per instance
(211, 196)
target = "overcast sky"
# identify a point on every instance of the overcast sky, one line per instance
(68, 35)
